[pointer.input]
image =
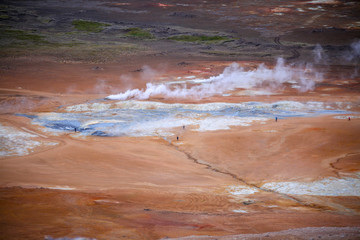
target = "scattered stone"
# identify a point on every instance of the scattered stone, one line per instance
(97, 68)
(248, 202)
(183, 64)
(182, 15)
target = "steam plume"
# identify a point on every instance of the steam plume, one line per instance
(319, 55)
(232, 77)
(354, 54)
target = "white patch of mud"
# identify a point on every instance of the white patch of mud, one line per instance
(318, 8)
(343, 105)
(133, 104)
(250, 92)
(94, 107)
(346, 117)
(148, 118)
(51, 116)
(200, 122)
(323, 2)
(100, 121)
(32, 132)
(223, 123)
(240, 211)
(271, 131)
(160, 128)
(216, 106)
(14, 142)
(325, 187)
(242, 190)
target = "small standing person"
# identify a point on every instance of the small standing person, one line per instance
(349, 118)
(177, 138)
(275, 119)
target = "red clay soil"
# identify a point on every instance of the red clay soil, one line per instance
(148, 188)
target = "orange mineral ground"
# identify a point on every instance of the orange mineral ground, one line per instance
(180, 140)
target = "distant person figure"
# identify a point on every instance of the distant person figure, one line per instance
(183, 126)
(177, 138)
(74, 129)
(349, 118)
(275, 119)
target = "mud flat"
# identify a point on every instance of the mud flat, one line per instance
(81, 165)
(179, 120)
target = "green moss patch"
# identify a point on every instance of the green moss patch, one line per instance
(74, 51)
(4, 17)
(12, 34)
(139, 33)
(89, 26)
(198, 38)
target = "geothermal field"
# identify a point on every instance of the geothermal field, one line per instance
(133, 119)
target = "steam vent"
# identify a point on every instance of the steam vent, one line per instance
(179, 119)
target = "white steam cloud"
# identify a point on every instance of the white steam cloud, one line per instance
(102, 87)
(233, 77)
(319, 55)
(148, 73)
(354, 54)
